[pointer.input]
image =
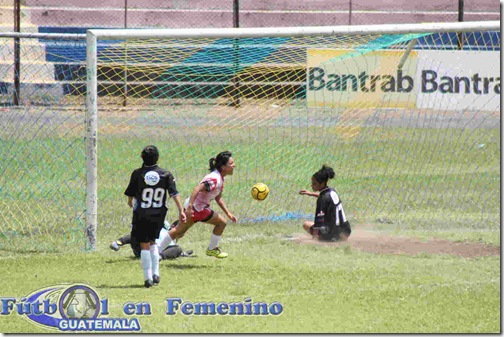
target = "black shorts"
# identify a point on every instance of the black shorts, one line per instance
(338, 233)
(146, 228)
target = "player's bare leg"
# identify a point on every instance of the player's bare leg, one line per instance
(178, 231)
(307, 225)
(219, 225)
(175, 233)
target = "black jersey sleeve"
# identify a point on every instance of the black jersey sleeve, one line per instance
(133, 185)
(171, 186)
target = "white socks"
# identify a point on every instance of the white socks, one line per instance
(154, 255)
(145, 258)
(165, 241)
(214, 241)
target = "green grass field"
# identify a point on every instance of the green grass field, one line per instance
(407, 181)
(322, 289)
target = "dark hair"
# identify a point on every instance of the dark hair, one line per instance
(324, 174)
(219, 161)
(150, 155)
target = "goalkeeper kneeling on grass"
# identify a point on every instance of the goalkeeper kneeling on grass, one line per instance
(330, 220)
(173, 250)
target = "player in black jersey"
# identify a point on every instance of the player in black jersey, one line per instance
(146, 194)
(330, 220)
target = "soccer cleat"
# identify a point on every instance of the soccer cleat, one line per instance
(148, 283)
(115, 245)
(216, 252)
(155, 279)
(186, 253)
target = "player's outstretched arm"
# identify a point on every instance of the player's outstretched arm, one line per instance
(222, 205)
(182, 215)
(130, 202)
(194, 193)
(308, 193)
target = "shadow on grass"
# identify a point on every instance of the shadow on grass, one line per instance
(122, 260)
(182, 266)
(132, 258)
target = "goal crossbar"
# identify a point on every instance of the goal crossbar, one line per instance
(111, 34)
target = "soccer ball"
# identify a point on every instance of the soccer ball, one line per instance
(260, 191)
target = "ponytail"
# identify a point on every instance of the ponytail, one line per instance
(218, 162)
(324, 174)
(211, 164)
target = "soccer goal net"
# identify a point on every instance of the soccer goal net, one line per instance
(407, 115)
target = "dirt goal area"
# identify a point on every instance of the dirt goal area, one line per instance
(369, 241)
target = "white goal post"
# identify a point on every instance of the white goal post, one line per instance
(96, 35)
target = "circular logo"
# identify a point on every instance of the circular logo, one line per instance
(151, 178)
(79, 302)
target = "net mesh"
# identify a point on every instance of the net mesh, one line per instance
(404, 157)
(42, 154)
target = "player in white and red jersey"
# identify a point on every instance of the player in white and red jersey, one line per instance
(214, 184)
(198, 205)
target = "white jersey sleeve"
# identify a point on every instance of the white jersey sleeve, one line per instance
(214, 184)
